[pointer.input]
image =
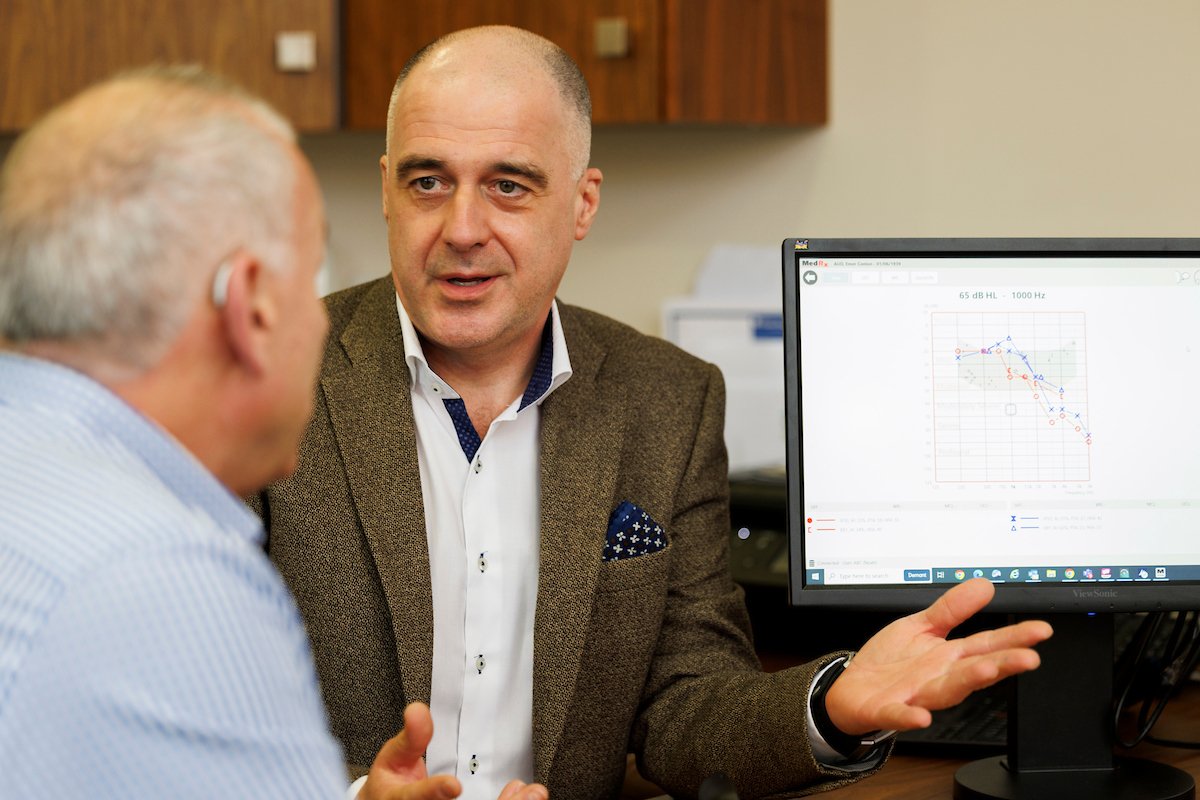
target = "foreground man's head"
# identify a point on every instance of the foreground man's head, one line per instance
(161, 233)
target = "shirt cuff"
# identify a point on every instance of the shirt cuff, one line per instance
(825, 755)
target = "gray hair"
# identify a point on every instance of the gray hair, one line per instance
(560, 67)
(117, 208)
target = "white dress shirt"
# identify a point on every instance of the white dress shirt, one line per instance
(482, 520)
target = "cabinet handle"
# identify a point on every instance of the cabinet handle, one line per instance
(612, 37)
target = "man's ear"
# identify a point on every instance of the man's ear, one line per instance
(248, 314)
(587, 201)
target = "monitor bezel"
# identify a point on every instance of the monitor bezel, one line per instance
(1017, 598)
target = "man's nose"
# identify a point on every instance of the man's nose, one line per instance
(466, 224)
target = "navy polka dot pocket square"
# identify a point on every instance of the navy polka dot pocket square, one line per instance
(632, 532)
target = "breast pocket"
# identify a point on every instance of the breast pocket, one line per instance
(632, 573)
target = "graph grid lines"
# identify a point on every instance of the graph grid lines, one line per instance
(1010, 400)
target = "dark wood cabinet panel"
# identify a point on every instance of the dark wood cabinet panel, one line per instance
(50, 49)
(688, 61)
(750, 61)
(380, 36)
(706, 61)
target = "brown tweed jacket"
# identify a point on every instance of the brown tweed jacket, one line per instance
(649, 655)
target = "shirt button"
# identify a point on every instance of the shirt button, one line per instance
(480, 663)
(482, 562)
(473, 764)
(478, 465)
(436, 389)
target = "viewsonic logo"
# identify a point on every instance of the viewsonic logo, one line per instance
(1085, 595)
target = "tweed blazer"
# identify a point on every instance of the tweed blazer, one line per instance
(650, 655)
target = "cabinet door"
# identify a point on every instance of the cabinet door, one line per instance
(380, 36)
(746, 61)
(50, 49)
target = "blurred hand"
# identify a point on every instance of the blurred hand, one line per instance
(399, 771)
(519, 790)
(909, 669)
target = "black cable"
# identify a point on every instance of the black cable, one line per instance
(1127, 670)
(1179, 657)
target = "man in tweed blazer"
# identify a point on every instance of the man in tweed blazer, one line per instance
(637, 645)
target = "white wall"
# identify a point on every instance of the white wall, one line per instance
(948, 117)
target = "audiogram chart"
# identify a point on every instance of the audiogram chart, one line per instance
(1010, 401)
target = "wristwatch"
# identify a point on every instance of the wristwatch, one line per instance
(854, 748)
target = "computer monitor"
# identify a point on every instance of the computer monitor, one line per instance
(1025, 410)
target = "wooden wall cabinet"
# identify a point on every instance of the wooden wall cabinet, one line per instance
(689, 61)
(51, 49)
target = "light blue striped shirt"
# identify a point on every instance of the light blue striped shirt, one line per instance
(147, 647)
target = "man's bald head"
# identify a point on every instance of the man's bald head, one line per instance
(509, 53)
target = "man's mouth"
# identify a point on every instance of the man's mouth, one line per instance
(467, 281)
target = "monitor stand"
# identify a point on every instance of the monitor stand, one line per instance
(1060, 730)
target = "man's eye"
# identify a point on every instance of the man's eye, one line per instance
(427, 183)
(508, 187)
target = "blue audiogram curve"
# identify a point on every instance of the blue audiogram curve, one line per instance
(1034, 379)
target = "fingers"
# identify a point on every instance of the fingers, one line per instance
(519, 790)
(439, 787)
(902, 717)
(511, 788)
(404, 750)
(909, 669)
(392, 782)
(958, 604)
(1020, 635)
(399, 773)
(952, 687)
(972, 674)
(981, 671)
(418, 727)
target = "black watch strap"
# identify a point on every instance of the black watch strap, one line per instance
(853, 748)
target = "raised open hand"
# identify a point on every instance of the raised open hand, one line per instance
(909, 669)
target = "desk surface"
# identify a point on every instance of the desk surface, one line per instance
(920, 778)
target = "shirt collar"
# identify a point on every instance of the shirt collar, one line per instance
(552, 369)
(32, 382)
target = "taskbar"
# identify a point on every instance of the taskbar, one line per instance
(818, 576)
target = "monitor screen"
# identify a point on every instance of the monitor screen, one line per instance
(1023, 410)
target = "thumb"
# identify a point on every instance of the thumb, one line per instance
(399, 772)
(406, 748)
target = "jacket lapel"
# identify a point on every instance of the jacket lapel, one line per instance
(582, 428)
(370, 408)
